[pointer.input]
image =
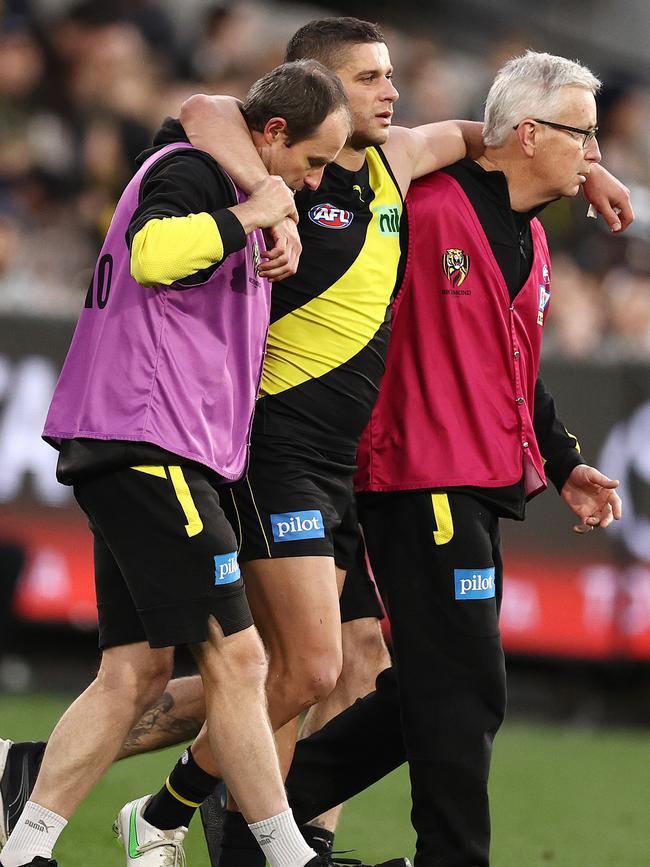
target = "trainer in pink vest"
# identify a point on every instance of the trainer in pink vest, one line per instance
(456, 403)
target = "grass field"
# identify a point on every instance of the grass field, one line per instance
(561, 797)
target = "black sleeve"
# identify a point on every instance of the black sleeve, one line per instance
(189, 182)
(559, 448)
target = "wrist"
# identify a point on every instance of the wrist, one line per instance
(247, 216)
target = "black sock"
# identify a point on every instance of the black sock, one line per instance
(184, 791)
(320, 839)
(239, 848)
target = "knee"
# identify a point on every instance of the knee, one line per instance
(137, 679)
(240, 659)
(306, 681)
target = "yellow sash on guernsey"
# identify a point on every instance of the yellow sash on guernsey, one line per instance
(335, 325)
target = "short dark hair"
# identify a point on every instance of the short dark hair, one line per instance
(304, 93)
(325, 39)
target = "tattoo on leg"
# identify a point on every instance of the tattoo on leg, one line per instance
(159, 727)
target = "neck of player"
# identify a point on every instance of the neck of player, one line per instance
(350, 158)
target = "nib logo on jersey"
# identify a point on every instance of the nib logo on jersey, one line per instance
(330, 217)
(474, 583)
(226, 568)
(291, 526)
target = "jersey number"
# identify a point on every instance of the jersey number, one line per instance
(102, 287)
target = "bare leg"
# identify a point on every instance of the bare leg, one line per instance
(364, 656)
(176, 717)
(88, 736)
(233, 670)
(295, 606)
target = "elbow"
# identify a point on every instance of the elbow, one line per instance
(143, 271)
(144, 266)
(193, 109)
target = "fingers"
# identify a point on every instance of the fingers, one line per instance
(279, 272)
(595, 477)
(279, 264)
(626, 215)
(616, 505)
(610, 216)
(610, 511)
(278, 250)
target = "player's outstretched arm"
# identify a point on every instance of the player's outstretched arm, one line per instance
(592, 497)
(423, 149)
(215, 124)
(609, 197)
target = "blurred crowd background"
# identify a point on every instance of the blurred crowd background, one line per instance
(83, 86)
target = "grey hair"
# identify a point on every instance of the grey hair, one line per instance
(529, 86)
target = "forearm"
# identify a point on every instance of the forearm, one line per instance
(215, 125)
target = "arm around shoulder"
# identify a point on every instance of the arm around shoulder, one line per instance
(215, 124)
(415, 152)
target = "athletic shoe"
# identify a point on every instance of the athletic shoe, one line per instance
(39, 862)
(331, 860)
(19, 766)
(145, 845)
(212, 815)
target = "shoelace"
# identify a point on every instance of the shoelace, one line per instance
(173, 854)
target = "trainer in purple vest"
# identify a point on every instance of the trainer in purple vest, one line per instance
(176, 367)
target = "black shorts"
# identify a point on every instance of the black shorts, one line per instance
(359, 597)
(165, 557)
(295, 501)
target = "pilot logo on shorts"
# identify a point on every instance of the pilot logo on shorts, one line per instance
(330, 216)
(226, 569)
(291, 526)
(474, 583)
(455, 264)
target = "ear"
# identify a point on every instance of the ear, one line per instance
(275, 129)
(526, 132)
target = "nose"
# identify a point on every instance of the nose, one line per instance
(313, 179)
(592, 151)
(390, 91)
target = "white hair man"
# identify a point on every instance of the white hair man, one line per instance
(479, 437)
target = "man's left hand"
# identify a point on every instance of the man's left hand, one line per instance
(592, 497)
(281, 259)
(609, 197)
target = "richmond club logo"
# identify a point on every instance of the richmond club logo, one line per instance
(330, 216)
(455, 264)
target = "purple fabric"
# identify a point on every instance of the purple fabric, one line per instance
(177, 368)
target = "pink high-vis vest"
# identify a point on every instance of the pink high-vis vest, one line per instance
(179, 368)
(456, 402)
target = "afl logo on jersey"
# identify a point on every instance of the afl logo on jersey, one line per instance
(330, 216)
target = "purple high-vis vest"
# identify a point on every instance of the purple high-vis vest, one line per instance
(176, 368)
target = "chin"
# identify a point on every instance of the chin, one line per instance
(368, 138)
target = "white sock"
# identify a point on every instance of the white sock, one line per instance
(36, 833)
(281, 841)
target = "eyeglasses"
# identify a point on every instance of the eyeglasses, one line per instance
(587, 134)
